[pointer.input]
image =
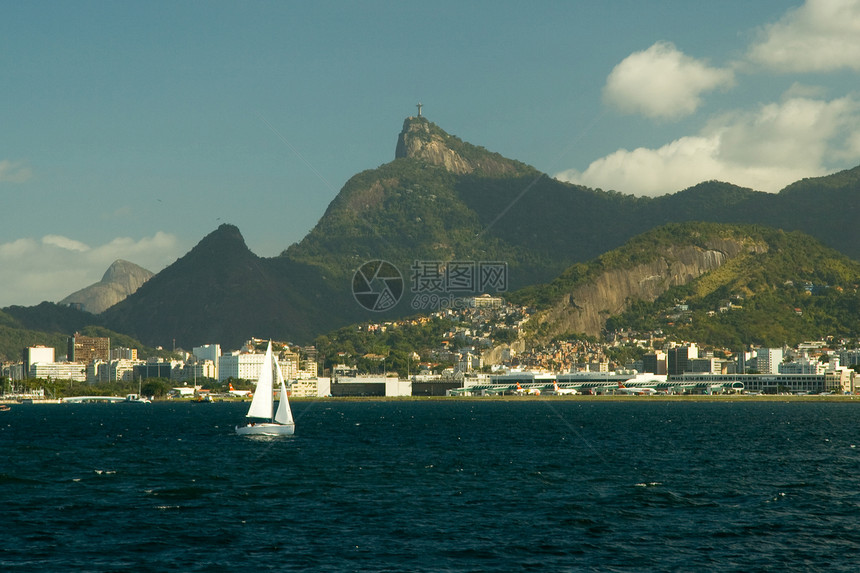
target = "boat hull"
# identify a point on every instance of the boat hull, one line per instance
(266, 429)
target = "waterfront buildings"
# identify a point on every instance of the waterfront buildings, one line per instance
(246, 366)
(59, 371)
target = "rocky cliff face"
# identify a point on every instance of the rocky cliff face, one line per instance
(425, 141)
(419, 142)
(587, 307)
(120, 280)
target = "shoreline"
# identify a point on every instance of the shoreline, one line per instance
(729, 398)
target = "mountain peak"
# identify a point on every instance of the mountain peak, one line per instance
(225, 239)
(120, 269)
(425, 141)
(120, 280)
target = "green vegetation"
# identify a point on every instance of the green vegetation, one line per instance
(641, 249)
(797, 290)
(50, 324)
(380, 351)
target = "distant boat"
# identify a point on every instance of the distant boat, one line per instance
(136, 399)
(277, 423)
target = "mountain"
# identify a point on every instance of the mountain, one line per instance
(442, 199)
(413, 207)
(582, 298)
(51, 324)
(407, 209)
(221, 292)
(738, 284)
(120, 280)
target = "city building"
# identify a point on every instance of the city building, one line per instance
(767, 360)
(307, 370)
(371, 386)
(34, 354)
(310, 387)
(75, 371)
(155, 368)
(838, 381)
(115, 370)
(246, 366)
(122, 353)
(678, 357)
(802, 366)
(654, 362)
(211, 352)
(198, 371)
(85, 349)
(486, 301)
(710, 365)
(469, 361)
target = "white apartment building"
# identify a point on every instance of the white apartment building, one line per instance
(768, 360)
(118, 369)
(59, 371)
(802, 366)
(43, 354)
(238, 365)
(211, 352)
(247, 366)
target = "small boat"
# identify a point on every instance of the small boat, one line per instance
(274, 422)
(137, 398)
(4, 408)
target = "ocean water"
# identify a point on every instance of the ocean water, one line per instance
(466, 485)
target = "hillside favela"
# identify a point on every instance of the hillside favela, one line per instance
(421, 281)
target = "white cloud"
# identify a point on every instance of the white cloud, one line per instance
(799, 90)
(54, 266)
(14, 171)
(131, 250)
(765, 150)
(17, 248)
(662, 82)
(820, 36)
(65, 243)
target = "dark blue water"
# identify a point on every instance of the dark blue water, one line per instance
(433, 486)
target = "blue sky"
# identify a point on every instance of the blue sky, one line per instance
(133, 129)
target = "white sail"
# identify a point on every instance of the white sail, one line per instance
(284, 415)
(261, 404)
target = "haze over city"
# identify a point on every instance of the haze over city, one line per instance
(133, 130)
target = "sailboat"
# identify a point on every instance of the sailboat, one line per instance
(276, 423)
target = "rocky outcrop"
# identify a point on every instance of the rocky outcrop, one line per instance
(586, 308)
(120, 280)
(420, 139)
(503, 352)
